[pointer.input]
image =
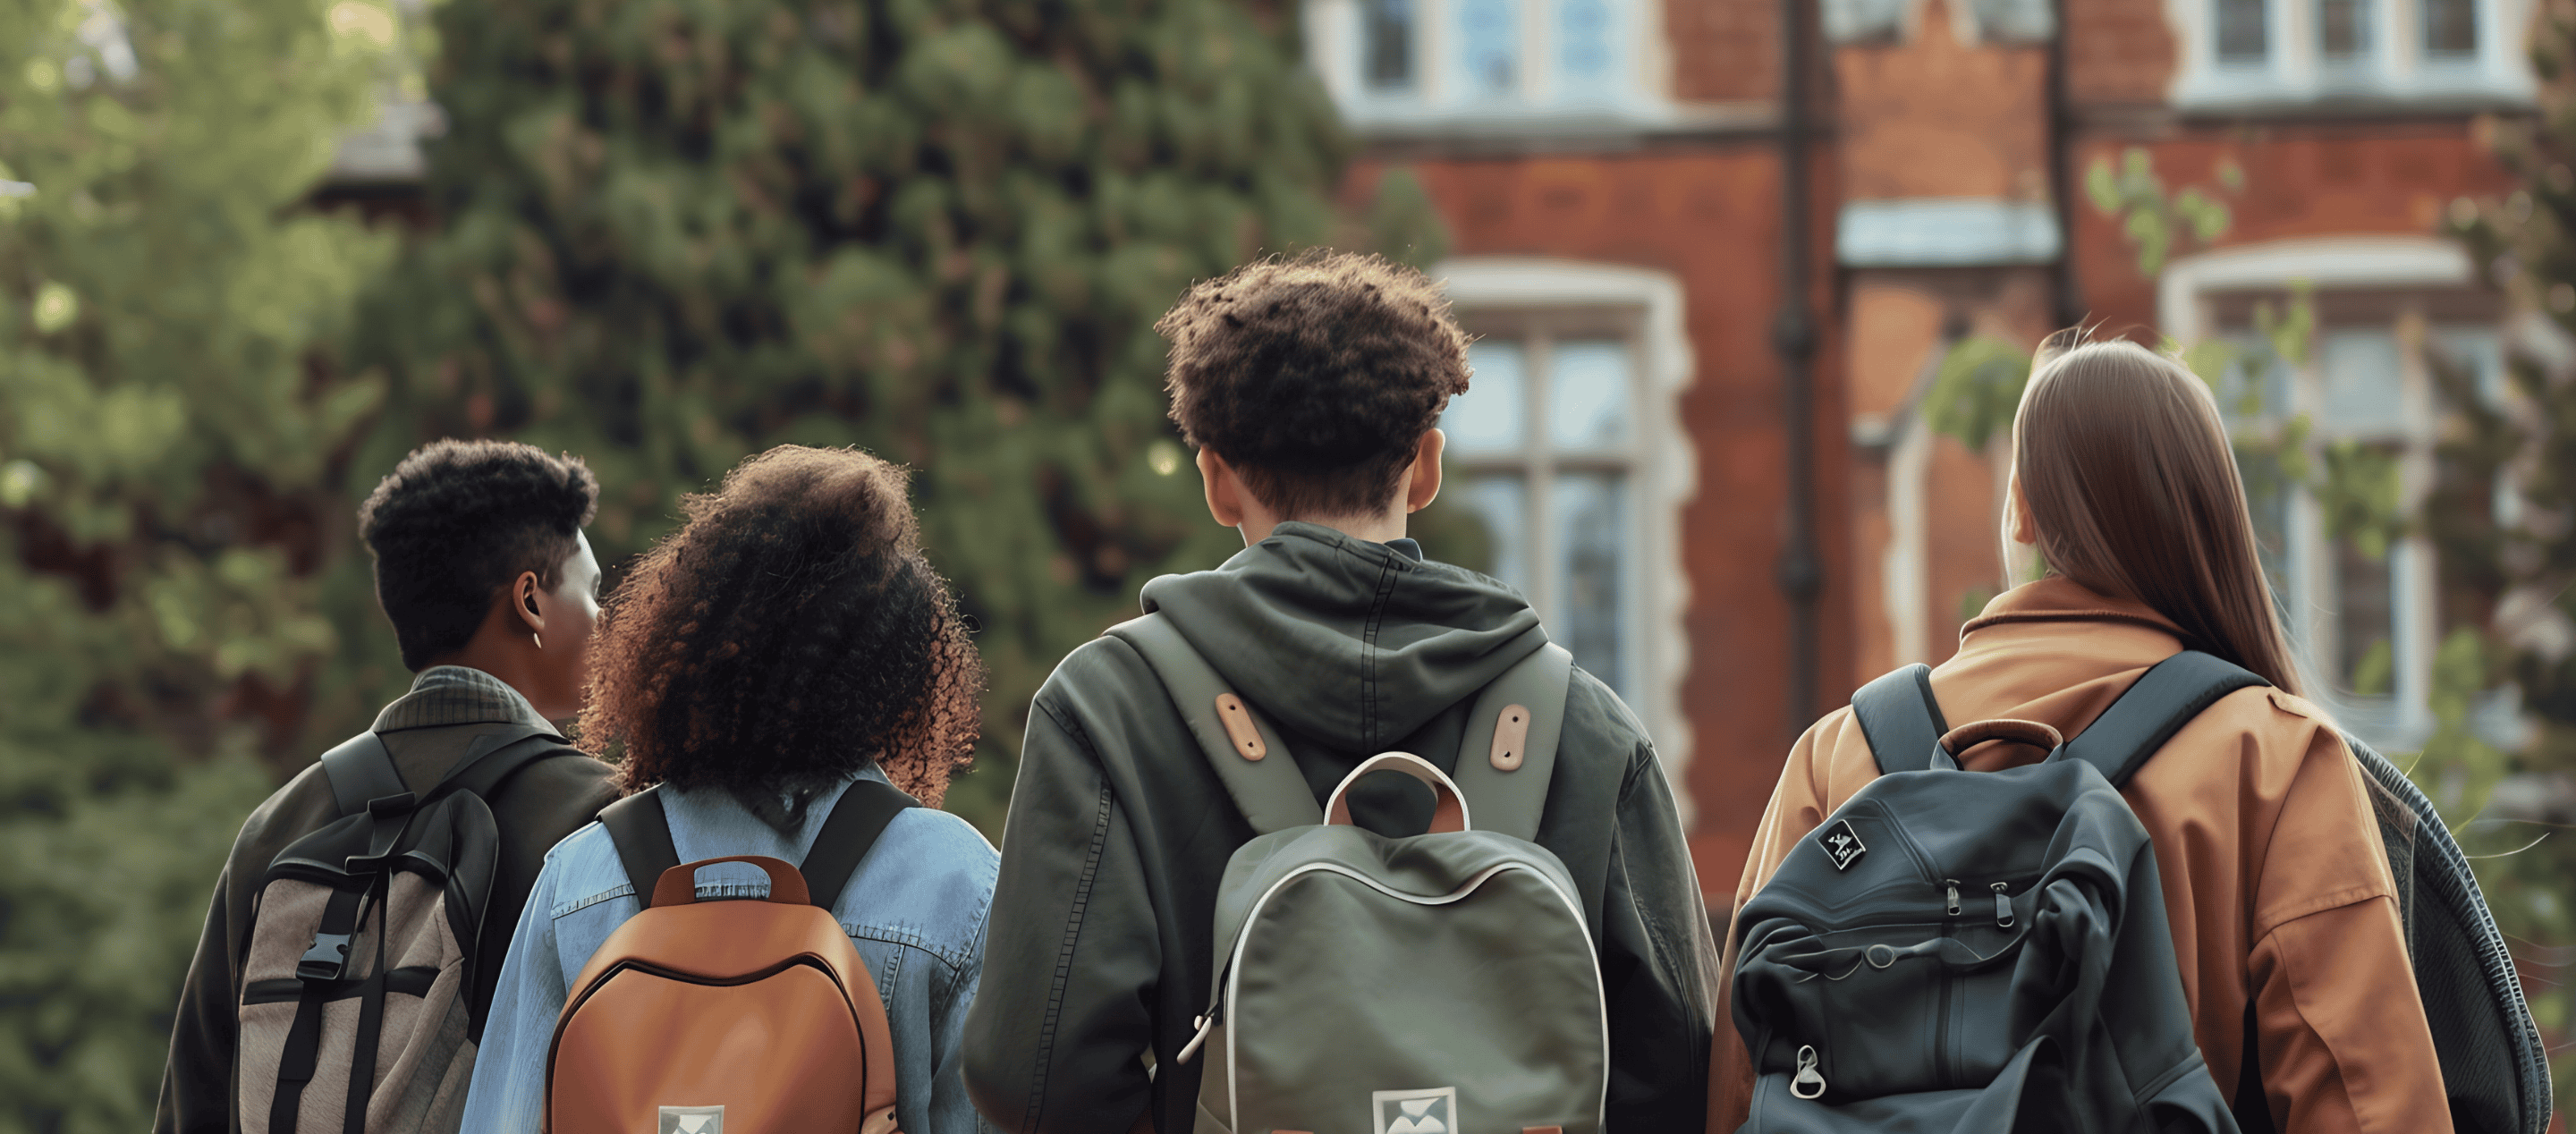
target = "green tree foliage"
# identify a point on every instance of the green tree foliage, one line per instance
(675, 232)
(2154, 220)
(169, 445)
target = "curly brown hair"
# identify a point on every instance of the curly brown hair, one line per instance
(786, 636)
(1315, 377)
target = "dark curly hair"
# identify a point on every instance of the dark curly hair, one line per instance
(1314, 377)
(456, 521)
(786, 636)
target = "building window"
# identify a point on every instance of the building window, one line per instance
(2243, 35)
(2450, 28)
(1544, 449)
(1568, 467)
(1488, 65)
(2276, 54)
(1388, 42)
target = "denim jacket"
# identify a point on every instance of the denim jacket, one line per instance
(915, 909)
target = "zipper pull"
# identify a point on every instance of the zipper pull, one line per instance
(1205, 1025)
(1953, 885)
(1808, 1083)
(2003, 907)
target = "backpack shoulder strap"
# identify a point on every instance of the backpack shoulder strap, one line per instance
(1261, 776)
(864, 810)
(495, 757)
(1509, 751)
(361, 769)
(1899, 718)
(641, 831)
(2167, 697)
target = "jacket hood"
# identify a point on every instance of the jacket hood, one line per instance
(1349, 642)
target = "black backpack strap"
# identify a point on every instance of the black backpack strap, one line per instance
(1899, 718)
(2167, 697)
(865, 809)
(495, 757)
(641, 831)
(360, 769)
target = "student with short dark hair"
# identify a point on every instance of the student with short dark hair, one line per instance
(481, 565)
(786, 644)
(1312, 388)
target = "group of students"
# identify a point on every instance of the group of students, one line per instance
(790, 643)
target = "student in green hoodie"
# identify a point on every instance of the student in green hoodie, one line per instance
(1311, 388)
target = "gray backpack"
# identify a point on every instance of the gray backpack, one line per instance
(1978, 952)
(2495, 1069)
(1443, 983)
(356, 996)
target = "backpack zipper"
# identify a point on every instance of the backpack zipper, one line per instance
(1941, 1035)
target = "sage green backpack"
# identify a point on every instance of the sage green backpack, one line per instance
(1443, 983)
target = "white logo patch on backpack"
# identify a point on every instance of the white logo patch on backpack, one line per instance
(692, 1120)
(1842, 844)
(1432, 1110)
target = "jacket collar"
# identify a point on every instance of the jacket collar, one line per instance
(2059, 599)
(458, 695)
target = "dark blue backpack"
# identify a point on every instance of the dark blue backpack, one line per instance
(2029, 980)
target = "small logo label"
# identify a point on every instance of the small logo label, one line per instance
(1842, 844)
(1432, 1110)
(692, 1120)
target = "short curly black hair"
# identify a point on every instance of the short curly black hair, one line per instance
(1314, 377)
(786, 636)
(456, 521)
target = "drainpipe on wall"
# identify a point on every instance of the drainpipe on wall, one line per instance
(1801, 575)
(2061, 157)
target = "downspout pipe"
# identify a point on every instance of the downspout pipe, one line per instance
(1800, 571)
(2061, 144)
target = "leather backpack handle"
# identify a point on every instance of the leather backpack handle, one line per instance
(1974, 733)
(1449, 814)
(678, 886)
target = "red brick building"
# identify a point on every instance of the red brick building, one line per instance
(1612, 176)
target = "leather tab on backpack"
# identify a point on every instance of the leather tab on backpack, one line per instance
(1511, 738)
(2036, 734)
(1239, 727)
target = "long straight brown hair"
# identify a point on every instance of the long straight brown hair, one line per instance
(2132, 486)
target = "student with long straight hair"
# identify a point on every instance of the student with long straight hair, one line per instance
(787, 642)
(2276, 886)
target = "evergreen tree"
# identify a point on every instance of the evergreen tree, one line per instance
(674, 232)
(170, 434)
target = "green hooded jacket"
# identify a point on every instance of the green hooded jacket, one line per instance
(1099, 950)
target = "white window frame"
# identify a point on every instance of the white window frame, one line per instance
(2294, 71)
(2400, 721)
(1662, 478)
(1440, 100)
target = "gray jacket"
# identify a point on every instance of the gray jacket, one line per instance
(1099, 951)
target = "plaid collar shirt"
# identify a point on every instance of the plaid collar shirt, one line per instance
(456, 695)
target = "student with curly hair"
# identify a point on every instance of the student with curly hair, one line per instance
(787, 642)
(1311, 388)
(492, 590)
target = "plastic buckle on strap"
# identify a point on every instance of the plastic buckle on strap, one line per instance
(325, 960)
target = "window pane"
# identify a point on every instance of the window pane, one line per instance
(2357, 372)
(1501, 502)
(1493, 415)
(1389, 47)
(1588, 395)
(2243, 34)
(2450, 28)
(1592, 543)
(2343, 29)
(2365, 661)
(2246, 395)
(1489, 41)
(1586, 60)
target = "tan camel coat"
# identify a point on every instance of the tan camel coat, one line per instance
(2275, 881)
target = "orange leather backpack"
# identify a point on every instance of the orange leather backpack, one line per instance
(728, 1017)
